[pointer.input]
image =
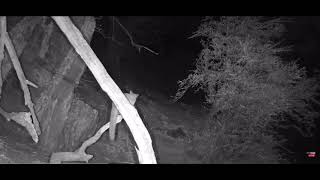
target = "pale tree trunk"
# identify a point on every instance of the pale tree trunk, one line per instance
(141, 136)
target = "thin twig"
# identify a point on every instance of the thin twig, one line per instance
(112, 33)
(114, 40)
(100, 31)
(31, 83)
(112, 37)
(138, 46)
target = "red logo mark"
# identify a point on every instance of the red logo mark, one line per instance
(311, 154)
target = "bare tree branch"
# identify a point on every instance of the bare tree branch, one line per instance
(3, 29)
(80, 154)
(23, 81)
(134, 44)
(23, 119)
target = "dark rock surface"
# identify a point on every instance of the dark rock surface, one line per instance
(48, 60)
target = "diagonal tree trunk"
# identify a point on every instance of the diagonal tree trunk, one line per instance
(129, 113)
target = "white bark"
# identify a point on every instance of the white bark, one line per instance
(129, 113)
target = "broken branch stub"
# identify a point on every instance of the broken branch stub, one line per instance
(132, 97)
(23, 119)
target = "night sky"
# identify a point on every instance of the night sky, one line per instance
(168, 35)
(303, 33)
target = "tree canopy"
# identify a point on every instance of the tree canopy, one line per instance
(249, 88)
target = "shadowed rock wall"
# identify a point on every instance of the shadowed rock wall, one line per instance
(49, 61)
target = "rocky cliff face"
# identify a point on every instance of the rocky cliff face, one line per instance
(49, 61)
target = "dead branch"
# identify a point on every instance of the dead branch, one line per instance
(132, 97)
(23, 81)
(129, 113)
(5, 114)
(31, 84)
(80, 154)
(23, 119)
(134, 44)
(99, 29)
(57, 158)
(3, 29)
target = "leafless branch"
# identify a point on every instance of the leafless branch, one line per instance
(23, 81)
(3, 29)
(134, 44)
(99, 30)
(80, 154)
(23, 119)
